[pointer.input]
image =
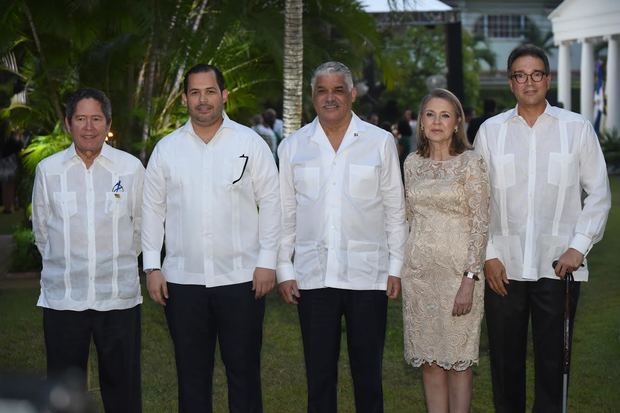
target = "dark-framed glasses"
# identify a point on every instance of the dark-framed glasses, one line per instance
(521, 77)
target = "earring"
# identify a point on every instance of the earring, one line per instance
(456, 129)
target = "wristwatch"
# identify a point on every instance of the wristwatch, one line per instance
(148, 271)
(471, 275)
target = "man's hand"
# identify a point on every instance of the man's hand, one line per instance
(289, 291)
(393, 287)
(157, 287)
(570, 261)
(464, 297)
(263, 281)
(495, 274)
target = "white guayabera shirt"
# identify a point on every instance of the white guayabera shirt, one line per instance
(86, 224)
(343, 212)
(537, 176)
(219, 203)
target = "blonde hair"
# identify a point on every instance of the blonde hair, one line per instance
(459, 142)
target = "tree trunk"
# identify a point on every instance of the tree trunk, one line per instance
(293, 65)
(149, 86)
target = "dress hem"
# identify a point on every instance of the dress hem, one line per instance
(460, 365)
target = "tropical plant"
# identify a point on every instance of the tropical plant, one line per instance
(137, 52)
(43, 146)
(610, 144)
(533, 35)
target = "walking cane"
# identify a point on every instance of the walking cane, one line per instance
(567, 279)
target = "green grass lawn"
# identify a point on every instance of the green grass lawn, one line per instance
(595, 369)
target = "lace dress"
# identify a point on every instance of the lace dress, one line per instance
(447, 208)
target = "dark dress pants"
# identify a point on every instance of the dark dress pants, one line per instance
(116, 334)
(320, 316)
(197, 316)
(507, 325)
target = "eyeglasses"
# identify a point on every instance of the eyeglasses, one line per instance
(521, 77)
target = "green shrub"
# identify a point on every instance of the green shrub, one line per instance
(25, 255)
(610, 144)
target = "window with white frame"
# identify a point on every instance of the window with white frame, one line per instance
(505, 26)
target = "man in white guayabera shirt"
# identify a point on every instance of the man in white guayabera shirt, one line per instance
(541, 160)
(344, 223)
(212, 187)
(86, 209)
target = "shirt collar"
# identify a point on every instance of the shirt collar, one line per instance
(317, 134)
(226, 124)
(549, 111)
(106, 154)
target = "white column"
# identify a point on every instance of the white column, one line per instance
(564, 75)
(587, 80)
(613, 84)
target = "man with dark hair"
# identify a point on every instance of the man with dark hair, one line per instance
(86, 215)
(541, 160)
(344, 222)
(211, 188)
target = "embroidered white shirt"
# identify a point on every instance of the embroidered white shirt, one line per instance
(343, 215)
(86, 224)
(218, 204)
(537, 176)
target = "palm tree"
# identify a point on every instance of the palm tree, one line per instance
(293, 65)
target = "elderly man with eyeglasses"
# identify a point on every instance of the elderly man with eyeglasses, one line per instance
(541, 159)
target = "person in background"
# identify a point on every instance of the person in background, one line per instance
(490, 109)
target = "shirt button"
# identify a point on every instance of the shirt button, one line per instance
(333, 183)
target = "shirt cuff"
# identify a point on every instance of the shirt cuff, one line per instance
(395, 267)
(285, 272)
(491, 253)
(151, 259)
(581, 243)
(267, 259)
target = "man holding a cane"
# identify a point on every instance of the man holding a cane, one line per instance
(541, 159)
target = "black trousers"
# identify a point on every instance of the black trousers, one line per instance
(507, 325)
(116, 334)
(197, 316)
(320, 316)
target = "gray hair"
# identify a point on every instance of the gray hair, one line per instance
(333, 68)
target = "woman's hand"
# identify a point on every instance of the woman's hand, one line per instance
(464, 297)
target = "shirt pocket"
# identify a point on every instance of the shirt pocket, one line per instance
(65, 203)
(307, 182)
(363, 260)
(363, 181)
(116, 203)
(307, 262)
(562, 169)
(503, 171)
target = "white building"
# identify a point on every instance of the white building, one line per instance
(583, 24)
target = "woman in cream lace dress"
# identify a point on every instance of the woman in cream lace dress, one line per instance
(447, 201)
